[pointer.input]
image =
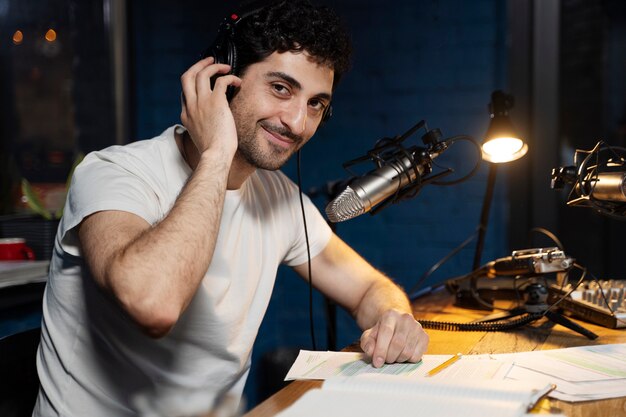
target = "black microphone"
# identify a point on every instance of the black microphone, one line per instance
(365, 192)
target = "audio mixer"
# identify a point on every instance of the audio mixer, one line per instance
(600, 302)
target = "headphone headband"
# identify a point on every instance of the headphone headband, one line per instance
(224, 48)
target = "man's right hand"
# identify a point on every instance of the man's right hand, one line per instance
(205, 111)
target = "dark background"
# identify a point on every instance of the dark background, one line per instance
(113, 77)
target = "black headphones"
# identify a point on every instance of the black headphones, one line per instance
(224, 48)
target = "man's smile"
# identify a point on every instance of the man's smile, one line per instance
(280, 136)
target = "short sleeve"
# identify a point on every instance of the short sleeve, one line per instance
(100, 184)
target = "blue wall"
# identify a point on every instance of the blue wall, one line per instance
(413, 60)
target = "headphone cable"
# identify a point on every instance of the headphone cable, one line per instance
(308, 252)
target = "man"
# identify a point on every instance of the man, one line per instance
(167, 253)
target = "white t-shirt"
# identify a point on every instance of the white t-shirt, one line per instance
(94, 360)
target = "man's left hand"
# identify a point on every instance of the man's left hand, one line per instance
(396, 337)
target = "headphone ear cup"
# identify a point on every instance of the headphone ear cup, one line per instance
(234, 68)
(224, 51)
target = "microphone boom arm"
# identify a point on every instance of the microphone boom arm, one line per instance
(400, 174)
(413, 164)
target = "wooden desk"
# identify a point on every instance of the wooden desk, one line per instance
(540, 335)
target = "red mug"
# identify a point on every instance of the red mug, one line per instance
(15, 249)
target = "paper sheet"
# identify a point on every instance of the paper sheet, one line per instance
(323, 365)
(587, 363)
(388, 395)
(580, 373)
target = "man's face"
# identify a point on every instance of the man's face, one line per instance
(279, 106)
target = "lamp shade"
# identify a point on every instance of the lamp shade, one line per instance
(502, 143)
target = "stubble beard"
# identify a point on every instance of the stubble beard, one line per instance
(254, 154)
(251, 148)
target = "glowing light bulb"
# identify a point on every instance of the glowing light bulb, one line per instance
(18, 37)
(51, 35)
(504, 149)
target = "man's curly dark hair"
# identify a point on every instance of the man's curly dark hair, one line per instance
(294, 25)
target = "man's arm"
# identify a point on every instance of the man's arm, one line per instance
(154, 271)
(380, 307)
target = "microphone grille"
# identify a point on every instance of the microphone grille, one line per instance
(345, 206)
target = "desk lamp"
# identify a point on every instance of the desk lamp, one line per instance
(502, 144)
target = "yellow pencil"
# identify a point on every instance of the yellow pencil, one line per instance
(444, 365)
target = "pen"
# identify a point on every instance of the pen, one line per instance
(444, 365)
(541, 402)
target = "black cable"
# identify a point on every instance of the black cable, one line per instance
(606, 301)
(518, 290)
(467, 241)
(574, 287)
(442, 261)
(546, 232)
(474, 275)
(497, 326)
(308, 253)
(451, 141)
(526, 318)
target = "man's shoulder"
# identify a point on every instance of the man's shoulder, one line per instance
(140, 153)
(163, 140)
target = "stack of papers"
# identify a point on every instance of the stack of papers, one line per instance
(387, 395)
(324, 365)
(579, 373)
(470, 387)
